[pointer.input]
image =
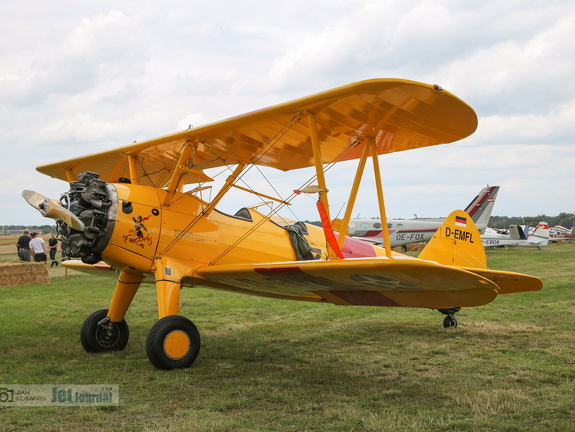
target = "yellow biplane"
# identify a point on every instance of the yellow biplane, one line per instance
(139, 209)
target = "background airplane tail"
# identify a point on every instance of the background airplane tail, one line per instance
(519, 232)
(456, 243)
(481, 206)
(540, 235)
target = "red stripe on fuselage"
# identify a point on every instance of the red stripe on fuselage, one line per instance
(353, 248)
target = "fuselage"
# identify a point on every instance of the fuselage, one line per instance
(401, 232)
(142, 224)
(533, 238)
(561, 234)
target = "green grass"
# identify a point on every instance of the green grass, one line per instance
(272, 365)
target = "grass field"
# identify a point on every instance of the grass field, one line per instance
(272, 365)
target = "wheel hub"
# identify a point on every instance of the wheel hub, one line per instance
(177, 344)
(107, 335)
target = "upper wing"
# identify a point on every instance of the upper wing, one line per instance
(398, 114)
(377, 281)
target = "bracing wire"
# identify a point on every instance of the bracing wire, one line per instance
(294, 120)
(253, 162)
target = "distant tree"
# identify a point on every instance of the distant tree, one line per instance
(42, 229)
(564, 219)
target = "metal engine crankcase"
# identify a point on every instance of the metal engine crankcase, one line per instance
(94, 202)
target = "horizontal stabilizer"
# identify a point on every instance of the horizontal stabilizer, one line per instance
(509, 282)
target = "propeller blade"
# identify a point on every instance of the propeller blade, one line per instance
(52, 209)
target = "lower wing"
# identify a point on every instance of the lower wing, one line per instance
(380, 281)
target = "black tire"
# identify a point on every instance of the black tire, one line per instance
(173, 343)
(111, 336)
(450, 322)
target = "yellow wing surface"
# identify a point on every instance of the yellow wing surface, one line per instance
(450, 272)
(397, 114)
(379, 281)
(366, 281)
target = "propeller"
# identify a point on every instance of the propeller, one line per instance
(52, 209)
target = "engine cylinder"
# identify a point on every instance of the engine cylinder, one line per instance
(94, 202)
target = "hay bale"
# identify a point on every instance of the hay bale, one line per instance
(28, 273)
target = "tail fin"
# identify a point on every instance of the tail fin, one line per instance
(481, 206)
(540, 236)
(518, 232)
(456, 243)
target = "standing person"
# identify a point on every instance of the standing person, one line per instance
(23, 246)
(53, 246)
(38, 247)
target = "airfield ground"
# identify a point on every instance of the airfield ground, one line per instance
(272, 365)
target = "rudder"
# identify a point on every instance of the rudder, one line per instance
(456, 243)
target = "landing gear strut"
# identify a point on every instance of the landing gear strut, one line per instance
(449, 321)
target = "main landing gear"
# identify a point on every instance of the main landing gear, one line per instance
(449, 321)
(172, 343)
(99, 334)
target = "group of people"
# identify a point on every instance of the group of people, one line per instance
(33, 246)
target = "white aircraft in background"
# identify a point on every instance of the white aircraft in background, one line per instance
(518, 235)
(406, 231)
(561, 234)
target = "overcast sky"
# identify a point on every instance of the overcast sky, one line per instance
(79, 78)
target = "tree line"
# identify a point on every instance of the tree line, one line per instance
(42, 229)
(566, 220)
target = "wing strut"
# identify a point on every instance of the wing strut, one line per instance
(332, 254)
(382, 214)
(133, 168)
(209, 208)
(317, 160)
(70, 177)
(175, 180)
(353, 195)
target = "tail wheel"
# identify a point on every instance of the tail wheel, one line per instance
(173, 343)
(99, 334)
(450, 322)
